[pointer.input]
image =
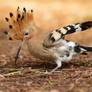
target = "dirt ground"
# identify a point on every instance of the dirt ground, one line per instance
(30, 73)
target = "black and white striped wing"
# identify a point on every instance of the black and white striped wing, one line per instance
(57, 35)
(61, 32)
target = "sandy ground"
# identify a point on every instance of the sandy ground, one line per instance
(29, 75)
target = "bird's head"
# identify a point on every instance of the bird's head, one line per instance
(21, 27)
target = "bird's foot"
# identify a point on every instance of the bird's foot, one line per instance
(46, 72)
(52, 72)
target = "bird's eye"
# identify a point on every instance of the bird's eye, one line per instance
(26, 33)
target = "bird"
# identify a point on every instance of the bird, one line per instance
(47, 46)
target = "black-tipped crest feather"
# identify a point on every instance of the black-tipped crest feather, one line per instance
(32, 10)
(10, 26)
(19, 16)
(6, 19)
(24, 9)
(10, 38)
(11, 14)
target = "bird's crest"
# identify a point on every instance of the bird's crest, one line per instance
(19, 25)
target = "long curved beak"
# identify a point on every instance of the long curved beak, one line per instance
(18, 51)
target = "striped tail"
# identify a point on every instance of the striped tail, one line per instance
(86, 48)
(82, 49)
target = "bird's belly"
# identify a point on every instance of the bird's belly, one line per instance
(40, 52)
(64, 53)
(64, 57)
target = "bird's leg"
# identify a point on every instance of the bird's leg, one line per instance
(59, 64)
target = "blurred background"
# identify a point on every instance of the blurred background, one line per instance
(49, 15)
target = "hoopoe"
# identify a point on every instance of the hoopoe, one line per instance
(50, 46)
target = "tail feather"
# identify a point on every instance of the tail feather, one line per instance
(18, 19)
(86, 48)
(18, 24)
(82, 49)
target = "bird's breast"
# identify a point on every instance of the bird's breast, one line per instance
(37, 49)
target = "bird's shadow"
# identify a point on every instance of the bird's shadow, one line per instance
(42, 65)
(49, 65)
